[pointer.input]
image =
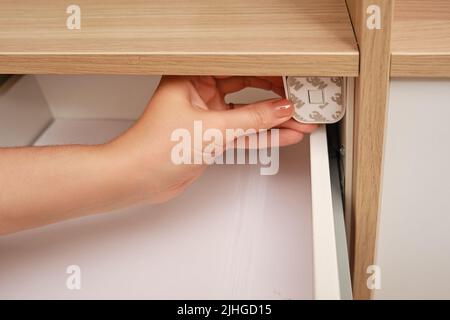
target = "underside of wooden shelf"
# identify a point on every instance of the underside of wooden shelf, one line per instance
(253, 37)
(421, 39)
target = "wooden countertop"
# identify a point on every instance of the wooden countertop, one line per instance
(252, 37)
(421, 39)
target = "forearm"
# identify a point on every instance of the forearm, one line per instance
(42, 185)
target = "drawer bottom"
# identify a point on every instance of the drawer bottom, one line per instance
(233, 235)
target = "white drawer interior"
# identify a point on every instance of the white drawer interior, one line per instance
(234, 234)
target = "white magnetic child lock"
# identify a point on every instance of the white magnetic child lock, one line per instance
(316, 99)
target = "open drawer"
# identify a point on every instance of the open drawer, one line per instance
(234, 234)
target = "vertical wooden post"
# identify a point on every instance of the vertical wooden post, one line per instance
(372, 20)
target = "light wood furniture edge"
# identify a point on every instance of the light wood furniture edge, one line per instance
(187, 64)
(421, 39)
(197, 37)
(371, 93)
(420, 65)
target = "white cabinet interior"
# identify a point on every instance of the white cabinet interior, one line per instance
(249, 236)
(413, 246)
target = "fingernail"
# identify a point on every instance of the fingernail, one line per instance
(283, 108)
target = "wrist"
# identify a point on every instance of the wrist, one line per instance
(131, 169)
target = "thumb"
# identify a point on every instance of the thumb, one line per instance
(260, 115)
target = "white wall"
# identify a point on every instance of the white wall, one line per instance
(414, 227)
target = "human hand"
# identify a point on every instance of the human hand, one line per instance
(70, 181)
(146, 148)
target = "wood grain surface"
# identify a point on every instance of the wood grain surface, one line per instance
(421, 39)
(255, 37)
(371, 92)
